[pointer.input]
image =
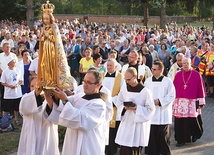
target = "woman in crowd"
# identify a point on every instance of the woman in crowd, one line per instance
(85, 63)
(163, 56)
(19, 50)
(24, 65)
(97, 58)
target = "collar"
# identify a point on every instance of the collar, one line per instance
(92, 96)
(110, 75)
(135, 66)
(137, 88)
(7, 55)
(157, 80)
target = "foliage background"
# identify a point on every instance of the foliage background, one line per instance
(16, 9)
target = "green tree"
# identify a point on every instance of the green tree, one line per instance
(30, 13)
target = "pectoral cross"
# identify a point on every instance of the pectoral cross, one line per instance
(185, 86)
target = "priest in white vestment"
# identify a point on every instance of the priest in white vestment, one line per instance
(137, 108)
(84, 117)
(39, 136)
(163, 92)
(114, 81)
(143, 71)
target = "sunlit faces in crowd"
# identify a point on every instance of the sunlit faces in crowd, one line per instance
(133, 57)
(92, 82)
(111, 65)
(131, 76)
(186, 64)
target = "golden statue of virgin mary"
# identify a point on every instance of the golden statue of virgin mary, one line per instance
(53, 67)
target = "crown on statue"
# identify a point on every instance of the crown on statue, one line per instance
(48, 7)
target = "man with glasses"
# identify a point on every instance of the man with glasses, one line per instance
(163, 92)
(143, 71)
(84, 116)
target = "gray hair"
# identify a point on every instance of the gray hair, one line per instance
(112, 60)
(180, 55)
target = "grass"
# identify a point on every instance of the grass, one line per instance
(9, 141)
(198, 24)
(194, 24)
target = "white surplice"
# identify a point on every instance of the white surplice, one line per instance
(109, 107)
(39, 136)
(143, 71)
(85, 122)
(109, 82)
(164, 91)
(135, 125)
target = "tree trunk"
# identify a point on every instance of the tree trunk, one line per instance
(213, 22)
(145, 13)
(30, 13)
(163, 15)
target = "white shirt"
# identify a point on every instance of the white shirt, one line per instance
(4, 59)
(12, 77)
(143, 70)
(34, 65)
(10, 41)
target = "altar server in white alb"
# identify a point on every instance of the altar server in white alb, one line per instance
(109, 107)
(137, 108)
(143, 71)
(84, 117)
(163, 92)
(114, 81)
(39, 136)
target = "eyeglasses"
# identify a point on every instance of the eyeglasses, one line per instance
(128, 79)
(153, 69)
(88, 82)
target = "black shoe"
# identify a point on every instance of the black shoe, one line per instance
(180, 144)
(194, 139)
(211, 95)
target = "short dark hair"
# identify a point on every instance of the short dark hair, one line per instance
(159, 64)
(31, 78)
(95, 46)
(24, 52)
(96, 73)
(96, 56)
(164, 45)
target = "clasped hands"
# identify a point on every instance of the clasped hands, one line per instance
(16, 85)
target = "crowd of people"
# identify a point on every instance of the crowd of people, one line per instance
(132, 80)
